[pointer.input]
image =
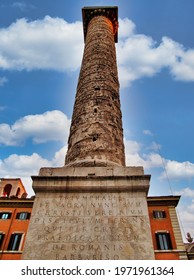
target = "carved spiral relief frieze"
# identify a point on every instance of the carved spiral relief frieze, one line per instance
(96, 134)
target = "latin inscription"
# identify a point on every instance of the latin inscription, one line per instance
(89, 225)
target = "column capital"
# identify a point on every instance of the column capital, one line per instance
(110, 12)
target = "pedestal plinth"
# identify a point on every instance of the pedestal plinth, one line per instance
(96, 213)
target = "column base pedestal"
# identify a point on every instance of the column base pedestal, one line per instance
(94, 213)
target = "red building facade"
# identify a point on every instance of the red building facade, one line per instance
(15, 211)
(166, 233)
(16, 208)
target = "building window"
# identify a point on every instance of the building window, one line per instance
(159, 214)
(1, 239)
(18, 192)
(163, 241)
(23, 216)
(14, 242)
(5, 215)
(7, 190)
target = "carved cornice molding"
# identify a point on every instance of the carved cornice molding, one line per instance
(110, 12)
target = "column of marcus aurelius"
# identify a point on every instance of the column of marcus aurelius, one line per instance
(96, 134)
(94, 207)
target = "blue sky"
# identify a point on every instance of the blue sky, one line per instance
(41, 46)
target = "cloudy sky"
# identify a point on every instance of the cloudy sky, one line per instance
(41, 47)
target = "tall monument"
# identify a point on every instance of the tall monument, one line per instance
(96, 134)
(94, 207)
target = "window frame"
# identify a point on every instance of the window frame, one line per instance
(23, 215)
(159, 214)
(15, 241)
(163, 241)
(7, 213)
(7, 190)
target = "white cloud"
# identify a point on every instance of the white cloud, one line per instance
(131, 147)
(184, 69)
(27, 182)
(59, 158)
(126, 28)
(186, 192)
(22, 6)
(178, 170)
(132, 156)
(24, 166)
(48, 44)
(6, 135)
(173, 169)
(41, 44)
(154, 147)
(50, 126)
(153, 160)
(147, 132)
(186, 209)
(186, 217)
(3, 81)
(140, 56)
(135, 157)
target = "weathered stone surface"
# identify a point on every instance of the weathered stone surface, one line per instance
(93, 170)
(96, 134)
(84, 217)
(86, 179)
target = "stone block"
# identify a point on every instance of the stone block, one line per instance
(86, 215)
